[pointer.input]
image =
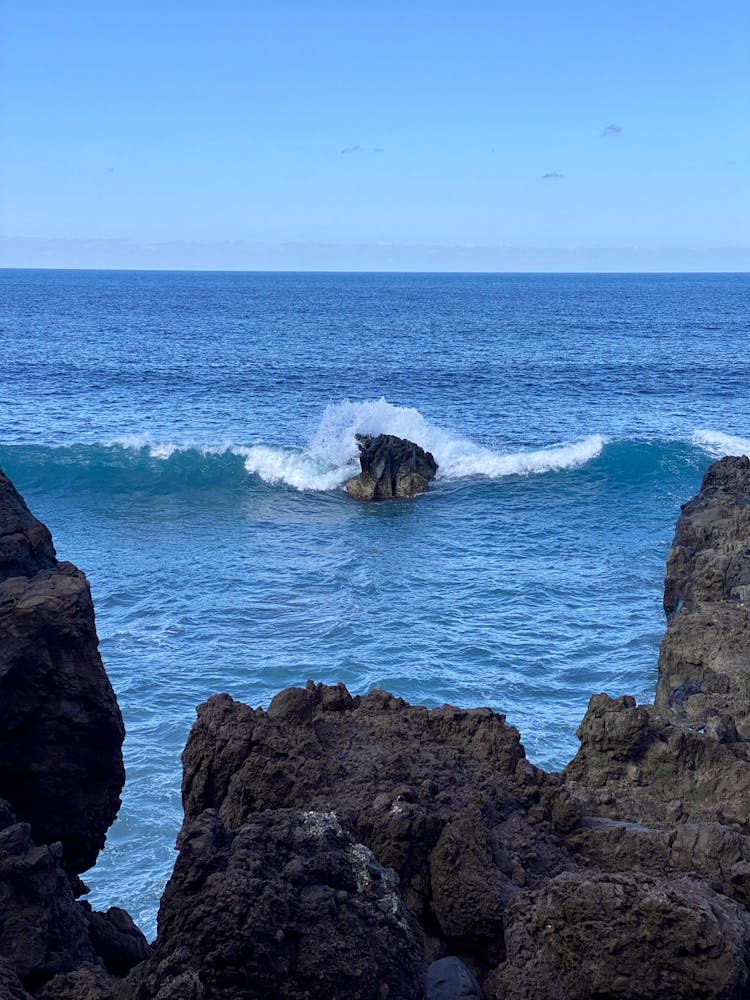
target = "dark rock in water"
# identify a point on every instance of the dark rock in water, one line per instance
(332, 845)
(449, 979)
(391, 467)
(287, 906)
(60, 727)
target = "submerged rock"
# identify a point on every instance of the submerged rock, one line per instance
(391, 467)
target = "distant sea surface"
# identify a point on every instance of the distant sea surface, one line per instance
(185, 436)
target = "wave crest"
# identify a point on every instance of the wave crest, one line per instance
(718, 445)
(331, 456)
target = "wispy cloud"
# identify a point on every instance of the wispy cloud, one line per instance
(610, 130)
(348, 150)
(553, 175)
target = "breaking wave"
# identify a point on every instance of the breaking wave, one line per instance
(717, 444)
(330, 456)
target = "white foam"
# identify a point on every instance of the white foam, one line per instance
(717, 444)
(331, 456)
(294, 468)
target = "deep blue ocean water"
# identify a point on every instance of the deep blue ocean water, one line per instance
(185, 437)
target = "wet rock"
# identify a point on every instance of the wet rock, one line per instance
(60, 727)
(287, 906)
(391, 467)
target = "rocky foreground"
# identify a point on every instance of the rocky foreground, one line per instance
(360, 847)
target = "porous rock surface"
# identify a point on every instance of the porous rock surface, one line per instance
(391, 467)
(628, 875)
(61, 731)
(61, 768)
(360, 847)
(285, 905)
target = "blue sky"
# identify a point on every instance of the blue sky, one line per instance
(248, 134)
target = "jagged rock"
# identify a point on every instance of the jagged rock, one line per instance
(43, 931)
(11, 987)
(638, 766)
(61, 730)
(587, 937)
(391, 467)
(287, 906)
(25, 543)
(61, 772)
(439, 796)
(88, 982)
(116, 939)
(704, 674)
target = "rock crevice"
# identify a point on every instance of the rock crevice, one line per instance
(339, 846)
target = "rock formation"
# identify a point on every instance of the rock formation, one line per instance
(628, 875)
(61, 768)
(61, 731)
(360, 847)
(391, 467)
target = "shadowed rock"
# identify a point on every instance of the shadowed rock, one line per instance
(287, 906)
(61, 730)
(392, 467)
(61, 771)
(441, 796)
(704, 663)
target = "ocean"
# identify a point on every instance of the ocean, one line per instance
(185, 436)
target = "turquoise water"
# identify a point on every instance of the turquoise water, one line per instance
(185, 437)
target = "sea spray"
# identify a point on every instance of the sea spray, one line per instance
(717, 445)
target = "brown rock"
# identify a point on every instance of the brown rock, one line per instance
(392, 467)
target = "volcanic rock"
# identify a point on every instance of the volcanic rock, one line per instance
(439, 796)
(61, 730)
(596, 936)
(391, 467)
(43, 931)
(61, 772)
(287, 906)
(704, 659)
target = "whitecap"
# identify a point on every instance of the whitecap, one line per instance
(718, 445)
